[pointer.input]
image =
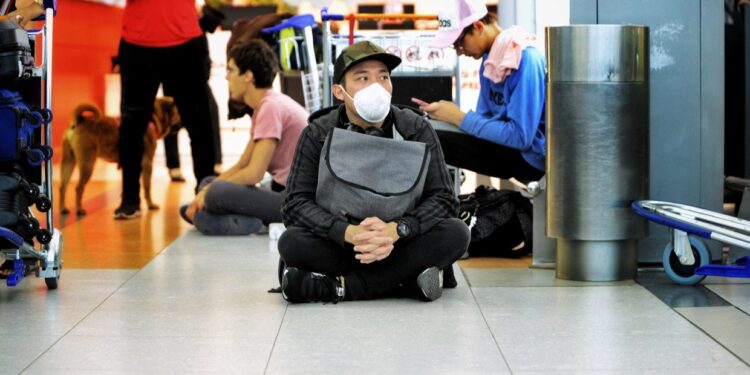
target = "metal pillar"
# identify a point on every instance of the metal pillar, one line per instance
(597, 147)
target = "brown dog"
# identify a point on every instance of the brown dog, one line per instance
(95, 136)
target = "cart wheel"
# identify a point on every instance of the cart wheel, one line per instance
(46, 115)
(684, 274)
(30, 190)
(43, 204)
(47, 151)
(35, 119)
(44, 236)
(51, 282)
(34, 157)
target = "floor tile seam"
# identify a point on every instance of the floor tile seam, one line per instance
(151, 337)
(484, 318)
(489, 328)
(275, 340)
(714, 339)
(79, 321)
(551, 286)
(135, 369)
(649, 287)
(743, 312)
(186, 310)
(628, 369)
(728, 301)
(705, 333)
(388, 308)
(571, 336)
(431, 335)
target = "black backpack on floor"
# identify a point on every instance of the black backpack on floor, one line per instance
(499, 221)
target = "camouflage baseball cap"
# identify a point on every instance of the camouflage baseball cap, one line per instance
(362, 51)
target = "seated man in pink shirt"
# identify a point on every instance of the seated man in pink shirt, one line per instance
(24, 11)
(231, 204)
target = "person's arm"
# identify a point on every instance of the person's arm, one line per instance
(438, 201)
(268, 128)
(525, 107)
(261, 154)
(450, 112)
(25, 12)
(299, 207)
(243, 161)
(260, 159)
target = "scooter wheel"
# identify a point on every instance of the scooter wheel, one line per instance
(685, 274)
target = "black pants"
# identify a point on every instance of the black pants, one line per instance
(466, 151)
(182, 70)
(171, 148)
(441, 246)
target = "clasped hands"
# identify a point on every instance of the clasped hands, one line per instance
(372, 239)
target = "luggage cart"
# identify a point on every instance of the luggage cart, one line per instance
(290, 42)
(418, 60)
(46, 259)
(686, 259)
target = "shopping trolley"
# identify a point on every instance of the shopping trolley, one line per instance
(418, 59)
(44, 258)
(686, 259)
(290, 45)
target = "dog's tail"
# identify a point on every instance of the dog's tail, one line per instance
(81, 109)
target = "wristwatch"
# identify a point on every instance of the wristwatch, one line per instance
(403, 229)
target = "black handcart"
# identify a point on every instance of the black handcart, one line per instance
(26, 245)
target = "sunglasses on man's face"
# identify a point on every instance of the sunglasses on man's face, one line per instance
(458, 45)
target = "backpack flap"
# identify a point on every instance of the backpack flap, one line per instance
(362, 175)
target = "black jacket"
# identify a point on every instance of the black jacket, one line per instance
(438, 201)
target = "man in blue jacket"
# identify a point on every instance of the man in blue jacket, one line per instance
(505, 136)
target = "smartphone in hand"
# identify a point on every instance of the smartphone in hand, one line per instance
(419, 102)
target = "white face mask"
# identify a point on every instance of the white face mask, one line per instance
(372, 103)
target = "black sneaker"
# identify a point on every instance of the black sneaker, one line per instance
(126, 212)
(429, 285)
(304, 286)
(176, 175)
(449, 278)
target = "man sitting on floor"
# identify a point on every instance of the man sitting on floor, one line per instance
(344, 246)
(231, 204)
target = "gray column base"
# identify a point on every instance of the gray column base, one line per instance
(543, 255)
(596, 260)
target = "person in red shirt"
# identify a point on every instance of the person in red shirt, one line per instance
(162, 43)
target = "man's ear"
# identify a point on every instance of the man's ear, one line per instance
(249, 78)
(338, 92)
(478, 26)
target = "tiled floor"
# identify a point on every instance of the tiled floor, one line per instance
(201, 305)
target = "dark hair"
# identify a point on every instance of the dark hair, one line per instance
(259, 58)
(488, 19)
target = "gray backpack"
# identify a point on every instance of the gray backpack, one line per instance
(361, 175)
